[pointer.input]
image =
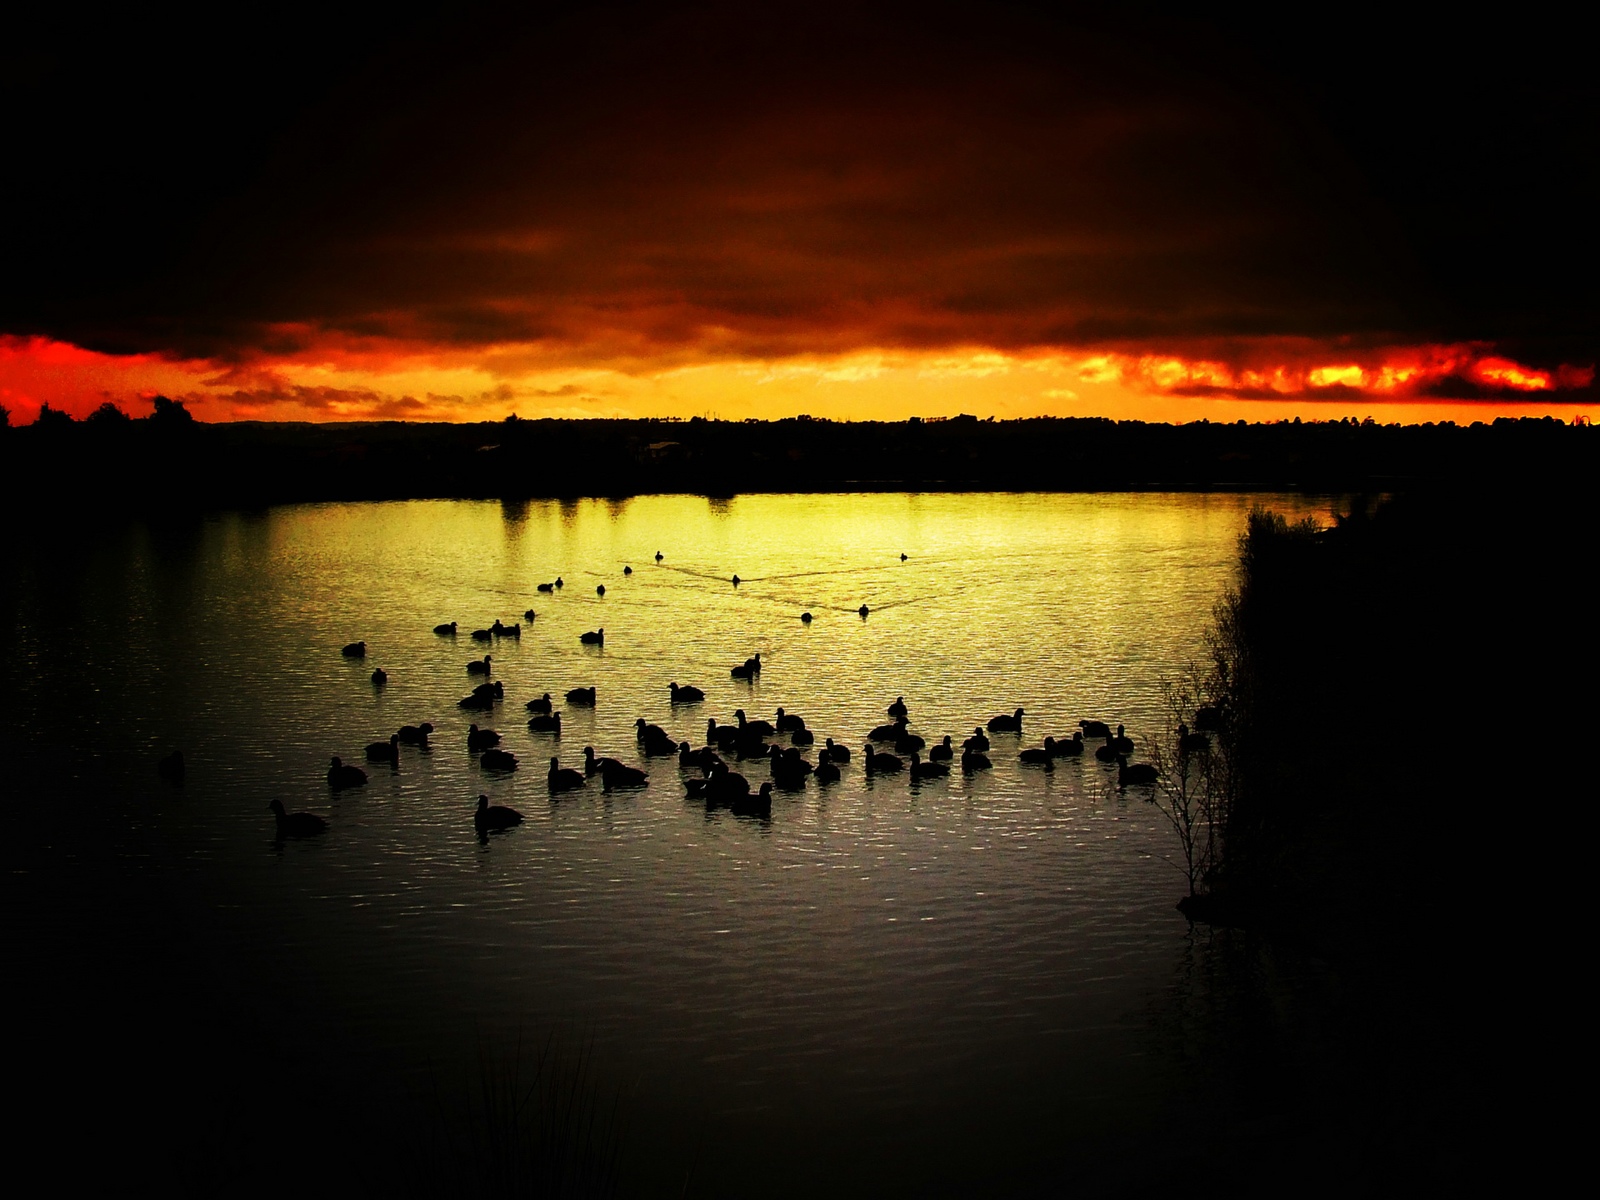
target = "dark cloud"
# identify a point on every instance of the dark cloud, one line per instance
(625, 183)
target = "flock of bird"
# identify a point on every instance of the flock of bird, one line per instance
(705, 771)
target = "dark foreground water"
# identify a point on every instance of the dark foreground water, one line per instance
(969, 985)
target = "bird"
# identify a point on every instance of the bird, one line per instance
(686, 694)
(1140, 774)
(477, 702)
(380, 677)
(388, 752)
(757, 727)
(491, 817)
(593, 764)
(654, 740)
(863, 610)
(926, 770)
(540, 705)
(415, 735)
(600, 590)
(581, 695)
(826, 772)
(296, 825)
(627, 570)
(902, 558)
(721, 736)
(529, 615)
(446, 630)
(481, 739)
(507, 631)
(757, 805)
(836, 753)
(1107, 753)
(498, 760)
(1068, 747)
(479, 666)
(545, 723)
(659, 556)
(595, 637)
(725, 786)
(906, 741)
(547, 587)
(1190, 743)
(802, 737)
(619, 775)
(805, 617)
(560, 582)
(943, 752)
(1043, 756)
(898, 709)
(876, 762)
(788, 768)
(562, 779)
(788, 722)
(1123, 743)
(341, 775)
(355, 650)
(1005, 724)
(735, 581)
(1094, 729)
(171, 767)
(978, 743)
(887, 733)
(482, 635)
(974, 760)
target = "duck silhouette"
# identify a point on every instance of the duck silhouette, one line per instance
(355, 650)
(595, 637)
(529, 615)
(480, 666)
(926, 770)
(600, 590)
(562, 779)
(448, 629)
(619, 775)
(756, 728)
(826, 772)
(627, 570)
(943, 752)
(1094, 729)
(978, 742)
(974, 760)
(805, 617)
(481, 739)
(1138, 775)
(1122, 743)
(541, 704)
(880, 763)
(686, 694)
(414, 735)
(898, 709)
(341, 775)
(546, 587)
(1068, 747)
(379, 677)
(388, 752)
(498, 760)
(482, 635)
(593, 764)
(863, 610)
(1005, 724)
(296, 825)
(491, 818)
(545, 723)
(836, 753)
(659, 556)
(581, 695)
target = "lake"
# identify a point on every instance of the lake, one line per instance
(975, 983)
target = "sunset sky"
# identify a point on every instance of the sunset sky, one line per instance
(867, 211)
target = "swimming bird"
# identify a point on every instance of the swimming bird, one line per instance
(802, 737)
(906, 741)
(581, 695)
(876, 762)
(341, 775)
(560, 582)
(721, 736)
(1005, 724)
(445, 630)
(415, 735)
(593, 764)
(547, 587)
(481, 739)
(545, 723)
(686, 694)
(479, 667)
(898, 709)
(1107, 753)
(1190, 743)
(1040, 756)
(725, 786)
(492, 817)
(788, 722)
(1123, 744)
(978, 742)
(863, 610)
(735, 581)
(889, 732)
(498, 760)
(654, 740)
(757, 728)
(627, 570)
(529, 615)
(595, 637)
(380, 677)
(788, 768)
(477, 702)
(926, 770)
(974, 760)
(355, 650)
(757, 805)
(836, 753)
(600, 590)
(482, 635)
(562, 779)
(1140, 774)
(805, 617)
(826, 772)
(507, 631)
(943, 752)
(1069, 747)
(1094, 729)
(388, 752)
(659, 556)
(296, 825)
(619, 775)
(540, 705)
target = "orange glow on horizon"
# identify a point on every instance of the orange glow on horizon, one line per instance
(328, 379)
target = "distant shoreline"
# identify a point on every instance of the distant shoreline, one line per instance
(144, 462)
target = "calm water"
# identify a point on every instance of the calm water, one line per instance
(917, 988)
